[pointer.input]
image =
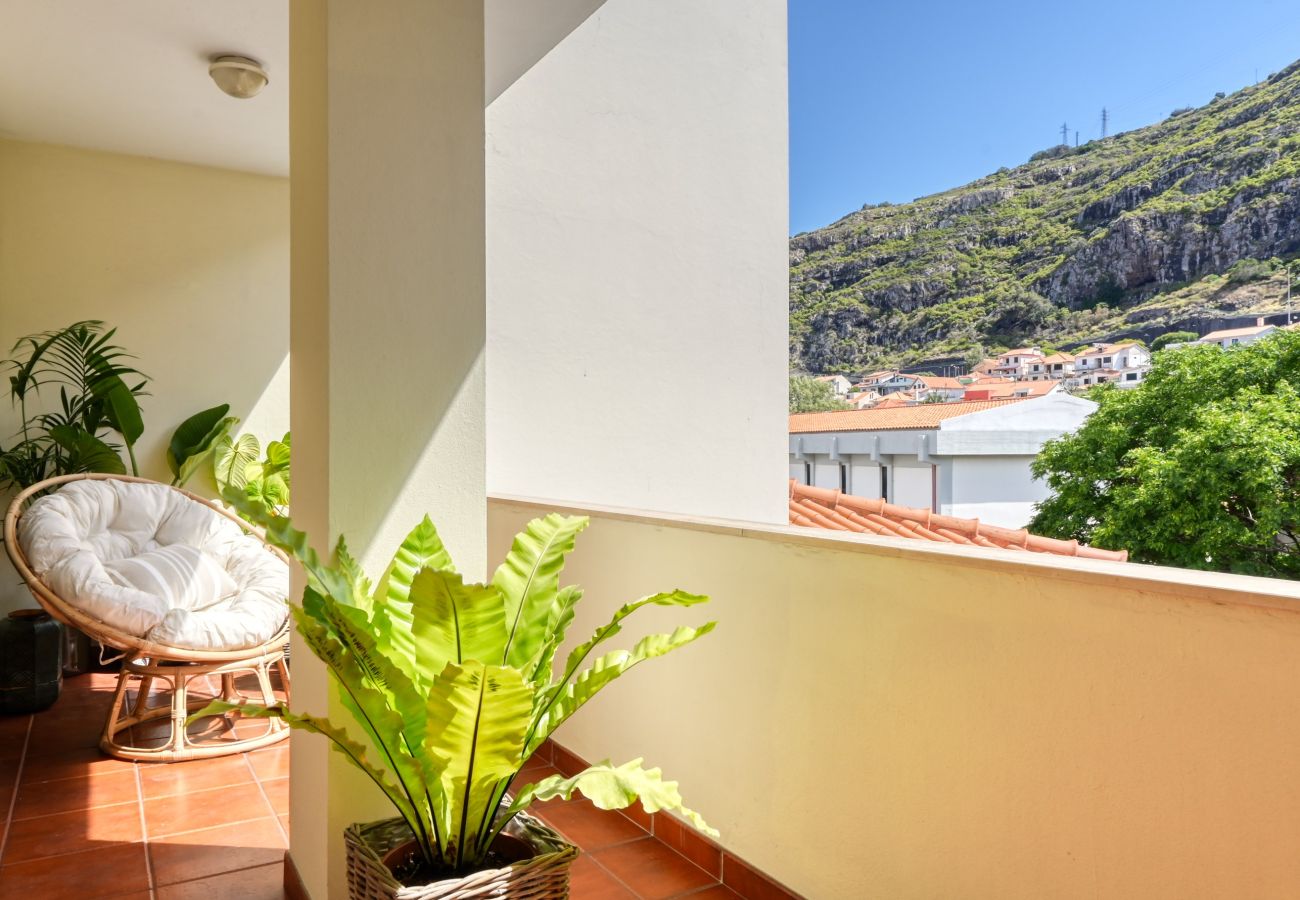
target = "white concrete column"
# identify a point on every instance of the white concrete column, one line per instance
(387, 323)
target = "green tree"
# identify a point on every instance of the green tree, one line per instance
(1173, 337)
(807, 394)
(1199, 466)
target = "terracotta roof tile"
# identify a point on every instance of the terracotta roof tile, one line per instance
(923, 415)
(893, 401)
(1019, 390)
(935, 382)
(825, 508)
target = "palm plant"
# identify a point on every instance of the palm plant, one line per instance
(454, 684)
(91, 374)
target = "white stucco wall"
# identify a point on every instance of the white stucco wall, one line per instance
(999, 490)
(864, 480)
(637, 261)
(912, 483)
(826, 474)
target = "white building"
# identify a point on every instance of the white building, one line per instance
(967, 459)
(1238, 337)
(1017, 363)
(1054, 367)
(1124, 364)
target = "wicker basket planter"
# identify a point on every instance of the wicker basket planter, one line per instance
(544, 876)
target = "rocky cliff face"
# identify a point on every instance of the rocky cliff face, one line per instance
(1059, 249)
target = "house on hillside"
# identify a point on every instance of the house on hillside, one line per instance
(962, 459)
(893, 382)
(1016, 363)
(1118, 357)
(1124, 364)
(860, 399)
(1239, 337)
(947, 390)
(1053, 367)
(873, 379)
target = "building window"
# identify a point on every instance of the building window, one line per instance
(1131, 376)
(884, 483)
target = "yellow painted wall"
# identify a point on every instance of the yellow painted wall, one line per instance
(190, 263)
(881, 719)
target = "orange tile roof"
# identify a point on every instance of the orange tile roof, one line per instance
(1020, 389)
(825, 508)
(923, 415)
(893, 401)
(1058, 358)
(934, 382)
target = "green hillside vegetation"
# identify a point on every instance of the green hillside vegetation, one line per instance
(1145, 230)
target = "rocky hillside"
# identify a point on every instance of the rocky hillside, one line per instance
(1079, 243)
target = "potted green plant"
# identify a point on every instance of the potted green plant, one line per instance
(97, 392)
(454, 686)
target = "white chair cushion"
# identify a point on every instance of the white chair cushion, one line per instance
(183, 576)
(149, 561)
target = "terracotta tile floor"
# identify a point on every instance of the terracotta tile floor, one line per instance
(77, 824)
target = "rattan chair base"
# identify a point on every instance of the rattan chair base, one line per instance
(543, 877)
(178, 674)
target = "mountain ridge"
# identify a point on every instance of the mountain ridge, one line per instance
(1066, 247)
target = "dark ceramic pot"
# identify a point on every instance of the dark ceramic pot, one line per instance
(31, 661)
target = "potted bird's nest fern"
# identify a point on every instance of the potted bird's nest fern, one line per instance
(452, 687)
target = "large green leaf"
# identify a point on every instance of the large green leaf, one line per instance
(421, 549)
(477, 719)
(529, 579)
(86, 453)
(580, 653)
(194, 440)
(278, 458)
(614, 787)
(557, 627)
(232, 457)
(574, 692)
(271, 489)
(454, 622)
(122, 409)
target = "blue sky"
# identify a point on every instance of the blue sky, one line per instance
(892, 101)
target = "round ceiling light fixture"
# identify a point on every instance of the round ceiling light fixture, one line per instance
(238, 76)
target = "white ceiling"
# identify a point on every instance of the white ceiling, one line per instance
(131, 76)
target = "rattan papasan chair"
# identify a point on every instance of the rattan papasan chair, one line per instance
(182, 588)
